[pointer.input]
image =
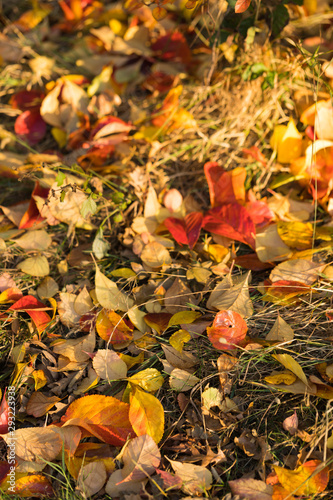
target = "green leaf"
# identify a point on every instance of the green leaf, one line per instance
(89, 207)
(280, 18)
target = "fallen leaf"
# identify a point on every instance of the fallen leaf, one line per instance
(112, 328)
(182, 381)
(108, 294)
(91, 478)
(76, 349)
(242, 6)
(281, 331)
(196, 479)
(269, 245)
(178, 339)
(308, 479)
(108, 365)
(302, 270)
(251, 489)
(101, 416)
(291, 364)
(35, 266)
(233, 221)
(233, 294)
(34, 240)
(146, 414)
(228, 330)
(185, 231)
(141, 457)
(39, 404)
(290, 424)
(177, 296)
(149, 379)
(155, 255)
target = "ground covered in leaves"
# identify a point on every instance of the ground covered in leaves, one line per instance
(166, 242)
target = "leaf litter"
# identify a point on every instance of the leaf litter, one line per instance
(152, 216)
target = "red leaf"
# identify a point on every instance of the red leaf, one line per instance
(219, 184)
(30, 127)
(260, 212)
(172, 47)
(228, 329)
(255, 153)
(27, 99)
(242, 6)
(32, 215)
(4, 409)
(251, 261)
(35, 309)
(4, 470)
(232, 221)
(185, 231)
(177, 228)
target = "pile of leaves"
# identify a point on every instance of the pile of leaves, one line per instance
(166, 331)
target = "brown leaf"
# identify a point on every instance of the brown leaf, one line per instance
(177, 297)
(251, 489)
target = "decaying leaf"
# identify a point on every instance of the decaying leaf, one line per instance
(196, 479)
(281, 331)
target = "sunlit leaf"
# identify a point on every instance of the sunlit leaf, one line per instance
(228, 330)
(310, 478)
(146, 414)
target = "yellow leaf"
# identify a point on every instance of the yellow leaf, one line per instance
(291, 364)
(150, 379)
(40, 379)
(109, 295)
(35, 266)
(146, 415)
(284, 377)
(287, 141)
(178, 339)
(307, 479)
(296, 234)
(60, 136)
(132, 360)
(183, 317)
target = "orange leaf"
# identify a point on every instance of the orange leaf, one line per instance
(101, 416)
(242, 6)
(307, 479)
(10, 295)
(228, 329)
(35, 309)
(32, 215)
(34, 485)
(111, 327)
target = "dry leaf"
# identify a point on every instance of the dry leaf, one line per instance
(35, 266)
(234, 297)
(91, 478)
(290, 424)
(196, 479)
(281, 331)
(108, 294)
(182, 381)
(34, 240)
(251, 489)
(177, 297)
(108, 365)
